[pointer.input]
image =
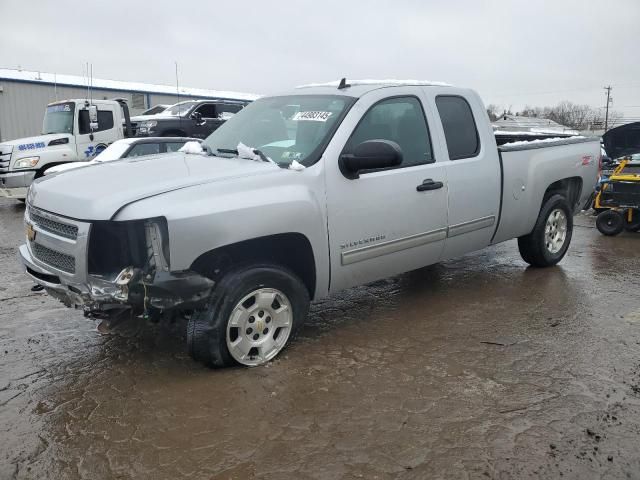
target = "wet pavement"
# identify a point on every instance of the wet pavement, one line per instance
(474, 368)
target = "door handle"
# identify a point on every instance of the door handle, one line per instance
(429, 184)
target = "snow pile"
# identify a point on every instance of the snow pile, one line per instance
(251, 154)
(247, 152)
(193, 147)
(298, 167)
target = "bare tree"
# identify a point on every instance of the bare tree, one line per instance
(494, 112)
(615, 119)
(569, 114)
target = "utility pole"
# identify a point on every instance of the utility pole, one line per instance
(606, 116)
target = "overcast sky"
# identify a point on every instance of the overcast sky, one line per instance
(513, 52)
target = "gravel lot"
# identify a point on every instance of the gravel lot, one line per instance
(474, 368)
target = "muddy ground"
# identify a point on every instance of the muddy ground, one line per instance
(475, 368)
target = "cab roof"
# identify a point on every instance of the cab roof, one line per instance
(357, 88)
(95, 101)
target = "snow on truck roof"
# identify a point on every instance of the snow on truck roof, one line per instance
(373, 82)
(117, 85)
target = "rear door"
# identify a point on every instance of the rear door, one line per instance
(380, 224)
(473, 169)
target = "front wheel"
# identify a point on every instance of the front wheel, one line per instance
(547, 244)
(252, 315)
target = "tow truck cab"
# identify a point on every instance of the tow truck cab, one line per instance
(72, 130)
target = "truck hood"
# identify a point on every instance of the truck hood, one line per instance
(622, 140)
(31, 144)
(98, 192)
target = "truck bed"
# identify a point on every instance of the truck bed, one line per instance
(528, 165)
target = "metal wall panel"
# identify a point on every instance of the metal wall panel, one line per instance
(22, 104)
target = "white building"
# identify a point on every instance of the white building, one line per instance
(25, 94)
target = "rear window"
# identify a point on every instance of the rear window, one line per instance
(459, 127)
(142, 149)
(105, 121)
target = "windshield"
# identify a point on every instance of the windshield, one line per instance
(285, 129)
(59, 118)
(112, 152)
(179, 109)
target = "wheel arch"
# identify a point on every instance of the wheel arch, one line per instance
(291, 250)
(570, 188)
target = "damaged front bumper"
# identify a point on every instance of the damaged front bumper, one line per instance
(130, 289)
(58, 256)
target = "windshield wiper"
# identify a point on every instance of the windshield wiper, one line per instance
(234, 151)
(226, 150)
(207, 149)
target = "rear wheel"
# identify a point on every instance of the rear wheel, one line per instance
(610, 223)
(547, 244)
(253, 314)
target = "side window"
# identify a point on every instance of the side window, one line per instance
(400, 120)
(208, 110)
(174, 146)
(144, 149)
(105, 121)
(83, 122)
(226, 111)
(459, 127)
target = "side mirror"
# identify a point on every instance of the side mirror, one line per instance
(197, 116)
(370, 155)
(93, 114)
(93, 118)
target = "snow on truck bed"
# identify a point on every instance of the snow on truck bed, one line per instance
(545, 142)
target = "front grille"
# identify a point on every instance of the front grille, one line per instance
(59, 260)
(53, 226)
(4, 163)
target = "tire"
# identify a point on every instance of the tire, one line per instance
(212, 337)
(549, 240)
(634, 224)
(610, 223)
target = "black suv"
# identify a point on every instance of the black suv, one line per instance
(193, 118)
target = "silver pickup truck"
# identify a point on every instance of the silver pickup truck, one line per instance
(344, 184)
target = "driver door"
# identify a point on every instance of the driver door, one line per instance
(90, 143)
(209, 120)
(382, 223)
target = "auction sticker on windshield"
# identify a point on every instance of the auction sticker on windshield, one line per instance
(312, 116)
